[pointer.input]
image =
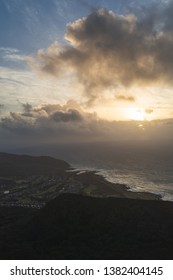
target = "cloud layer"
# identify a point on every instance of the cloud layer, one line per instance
(54, 124)
(107, 50)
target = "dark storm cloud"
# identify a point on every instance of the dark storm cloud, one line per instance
(107, 50)
(53, 124)
(54, 117)
(70, 115)
(27, 110)
(15, 123)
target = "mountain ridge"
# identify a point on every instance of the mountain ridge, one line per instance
(12, 164)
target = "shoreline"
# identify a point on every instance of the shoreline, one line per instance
(164, 193)
(97, 185)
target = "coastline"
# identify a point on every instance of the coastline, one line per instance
(84, 217)
(96, 185)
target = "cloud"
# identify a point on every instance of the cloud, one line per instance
(16, 124)
(148, 111)
(70, 115)
(51, 123)
(11, 54)
(107, 50)
(27, 110)
(125, 98)
(52, 108)
(1, 107)
(55, 124)
(48, 114)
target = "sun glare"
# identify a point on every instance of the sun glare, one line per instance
(136, 114)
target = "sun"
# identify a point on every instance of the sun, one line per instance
(136, 114)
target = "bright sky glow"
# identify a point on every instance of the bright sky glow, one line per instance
(136, 114)
(95, 62)
(35, 20)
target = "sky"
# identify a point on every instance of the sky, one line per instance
(82, 70)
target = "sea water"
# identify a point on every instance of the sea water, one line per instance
(155, 176)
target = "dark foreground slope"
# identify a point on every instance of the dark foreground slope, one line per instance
(80, 227)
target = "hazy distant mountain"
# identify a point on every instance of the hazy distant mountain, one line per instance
(11, 164)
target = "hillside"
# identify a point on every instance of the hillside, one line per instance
(80, 216)
(29, 181)
(24, 165)
(79, 227)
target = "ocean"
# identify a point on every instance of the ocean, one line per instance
(143, 166)
(146, 171)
